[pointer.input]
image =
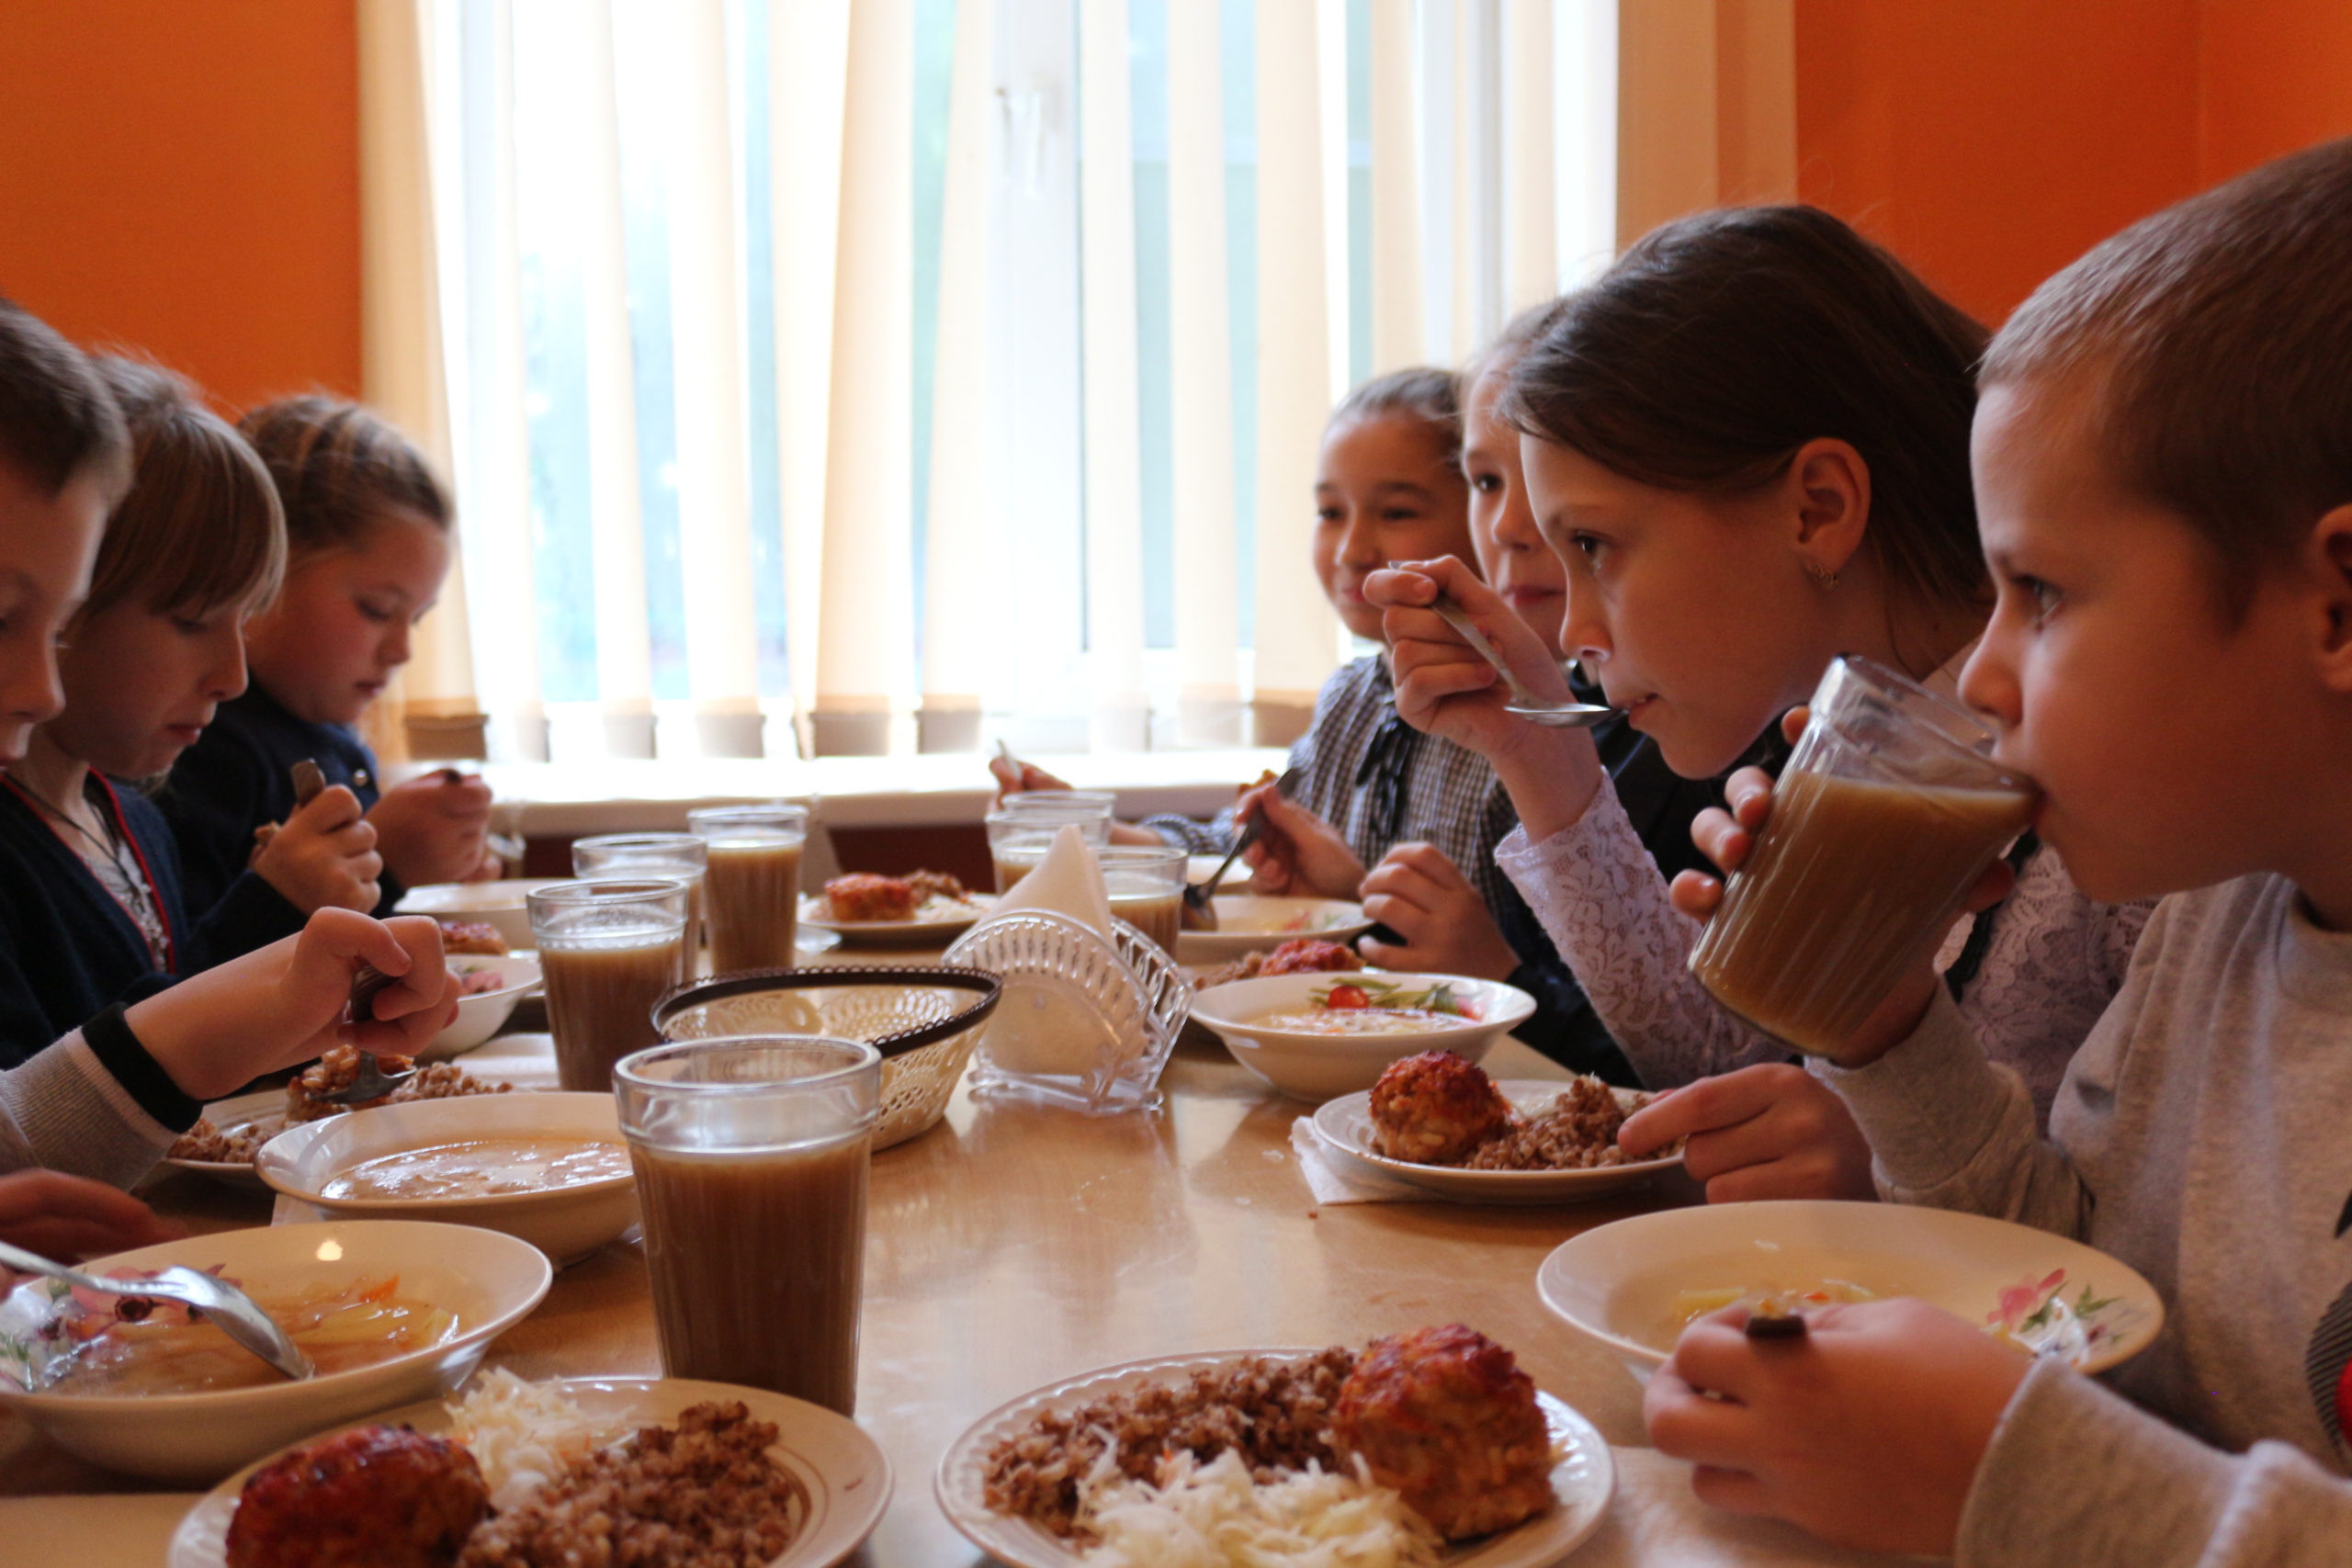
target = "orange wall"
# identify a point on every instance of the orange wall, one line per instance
(1990, 142)
(2277, 76)
(184, 177)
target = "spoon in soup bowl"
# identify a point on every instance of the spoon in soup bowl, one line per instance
(221, 1302)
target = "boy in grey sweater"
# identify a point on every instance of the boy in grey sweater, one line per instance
(2163, 474)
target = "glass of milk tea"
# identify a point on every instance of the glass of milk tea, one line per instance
(1019, 835)
(609, 949)
(1145, 886)
(681, 855)
(752, 1153)
(1889, 810)
(751, 887)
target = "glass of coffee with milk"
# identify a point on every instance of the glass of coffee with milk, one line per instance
(1887, 813)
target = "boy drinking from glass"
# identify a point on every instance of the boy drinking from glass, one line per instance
(2162, 458)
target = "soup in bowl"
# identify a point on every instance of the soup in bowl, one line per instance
(1320, 1035)
(391, 1313)
(549, 1168)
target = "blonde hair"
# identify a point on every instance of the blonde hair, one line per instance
(199, 526)
(339, 466)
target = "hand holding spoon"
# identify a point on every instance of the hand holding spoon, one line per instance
(1524, 704)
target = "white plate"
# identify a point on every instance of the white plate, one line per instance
(479, 1015)
(848, 1479)
(1581, 1480)
(1346, 1124)
(565, 1223)
(229, 1116)
(489, 1281)
(527, 1068)
(1248, 922)
(1308, 1064)
(1618, 1281)
(501, 904)
(936, 922)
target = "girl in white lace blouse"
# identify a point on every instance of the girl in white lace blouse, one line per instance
(1749, 443)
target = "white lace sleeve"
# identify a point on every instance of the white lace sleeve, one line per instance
(1601, 900)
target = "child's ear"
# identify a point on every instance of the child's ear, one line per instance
(1829, 486)
(2331, 553)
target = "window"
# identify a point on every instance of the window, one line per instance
(885, 374)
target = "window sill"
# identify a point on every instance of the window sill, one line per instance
(563, 800)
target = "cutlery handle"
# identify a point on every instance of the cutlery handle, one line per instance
(1452, 614)
(24, 1262)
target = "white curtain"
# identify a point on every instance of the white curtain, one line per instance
(868, 374)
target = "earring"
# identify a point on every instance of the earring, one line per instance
(1821, 576)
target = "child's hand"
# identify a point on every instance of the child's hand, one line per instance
(434, 829)
(1866, 1429)
(325, 855)
(1012, 774)
(1296, 852)
(1444, 686)
(1422, 897)
(285, 1003)
(1725, 836)
(67, 1218)
(1771, 1130)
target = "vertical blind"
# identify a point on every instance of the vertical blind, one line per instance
(859, 376)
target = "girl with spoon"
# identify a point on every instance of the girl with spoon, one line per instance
(1747, 443)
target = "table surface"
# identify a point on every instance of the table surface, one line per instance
(1015, 1245)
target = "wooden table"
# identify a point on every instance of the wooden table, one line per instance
(1015, 1245)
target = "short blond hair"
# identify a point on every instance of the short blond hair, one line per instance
(199, 527)
(2216, 339)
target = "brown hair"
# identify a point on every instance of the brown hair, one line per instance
(338, 466)
(1722, 342)
(2218, 337)
(1431, 396)
(199, 526)
(1508, 344)
(56, 419)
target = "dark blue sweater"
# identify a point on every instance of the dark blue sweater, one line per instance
(239, 774)
(68, 951)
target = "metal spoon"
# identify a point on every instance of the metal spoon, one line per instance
(218, 1301)
(1199, 895)
(1523, 703)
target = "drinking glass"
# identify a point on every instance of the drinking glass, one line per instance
(1019, 840)
(1081, 802)
(681, 855)
(609, 948)
(1889, 810)
(752, 1153)
(1145, 885)
(752, 889)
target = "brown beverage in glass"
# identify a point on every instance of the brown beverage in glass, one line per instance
(752, 888)
(751, 1155)
(1157, 915)
(607, 952)
(757, 1261)
(1812, 958)
(681, 855)
(1882, 820)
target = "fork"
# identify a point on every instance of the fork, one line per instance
(221, 1302)
(1198, 897)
